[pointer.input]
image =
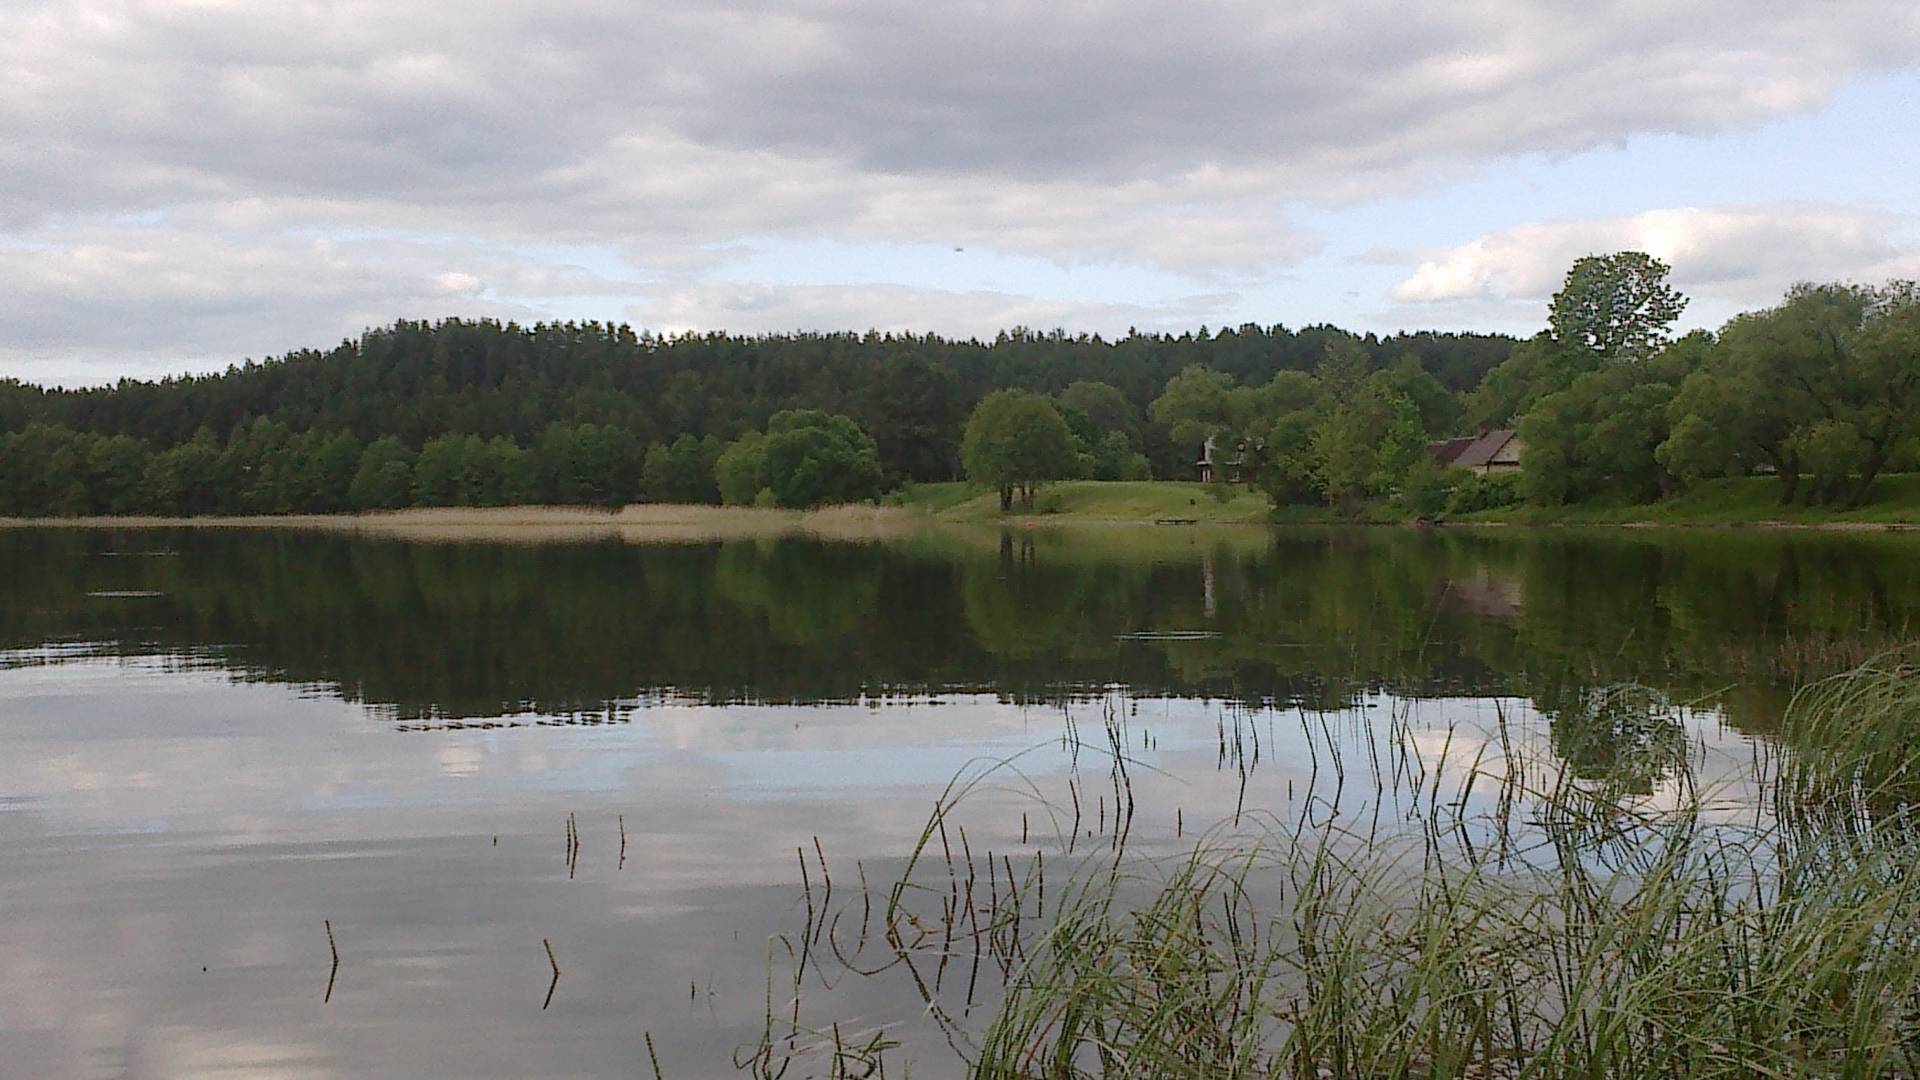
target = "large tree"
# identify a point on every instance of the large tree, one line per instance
(1364, 445)
(1823, 390)
(1598, 437)
(1104, 406)
(1617, 306)
(1015, 441)
(810, 458)
(1198, 404)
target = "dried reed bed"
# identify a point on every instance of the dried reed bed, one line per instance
(646, 523)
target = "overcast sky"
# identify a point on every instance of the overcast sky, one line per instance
(188, 183)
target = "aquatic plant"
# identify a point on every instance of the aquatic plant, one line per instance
(1514, 919)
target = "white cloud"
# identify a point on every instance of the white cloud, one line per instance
(165, 165)
(1739, 256)
(759, 308)
(143, 299)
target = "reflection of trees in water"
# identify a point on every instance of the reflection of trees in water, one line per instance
(1627, 737)
(808, 596)
(1311, 616)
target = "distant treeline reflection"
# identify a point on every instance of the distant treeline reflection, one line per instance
(461, 631)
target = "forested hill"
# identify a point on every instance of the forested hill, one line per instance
(418, 380)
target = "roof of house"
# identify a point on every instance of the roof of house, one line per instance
(1448, 451)
(1484, 448)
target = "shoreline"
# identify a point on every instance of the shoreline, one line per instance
(669, 522)
(1162, 505)
(640, 523)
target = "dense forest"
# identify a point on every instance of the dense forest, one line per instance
(481, 412)
(1821, 391)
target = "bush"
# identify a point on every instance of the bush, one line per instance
(1485, 491)
(1427, 487)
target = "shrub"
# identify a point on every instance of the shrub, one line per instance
(1485, 491)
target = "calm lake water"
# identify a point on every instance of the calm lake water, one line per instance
(213, 744)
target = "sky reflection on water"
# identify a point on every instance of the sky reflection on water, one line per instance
(189, 793)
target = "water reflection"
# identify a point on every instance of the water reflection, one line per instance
(390, 737)
(448, 632)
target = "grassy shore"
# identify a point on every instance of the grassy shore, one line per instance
(1750, 500)
(1747, 501)
(1106, 501)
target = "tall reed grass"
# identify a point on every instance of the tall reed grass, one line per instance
(1516, 921)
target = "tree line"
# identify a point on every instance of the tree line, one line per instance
(1821, 391)
(595, 413)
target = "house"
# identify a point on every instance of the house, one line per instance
(1487, 452)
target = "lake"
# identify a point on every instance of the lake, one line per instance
(220, 749)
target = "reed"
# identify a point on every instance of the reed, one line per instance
(333, 972)
(1509, 919)
(555, 965)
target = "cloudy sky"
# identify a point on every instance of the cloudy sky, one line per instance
(187, 183)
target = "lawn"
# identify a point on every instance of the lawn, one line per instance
(1747, 500)
(1097, 500)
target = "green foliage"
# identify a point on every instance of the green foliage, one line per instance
(737, 471)
(1440, 409)
(589, 464)
(50, 470)
(914, 405)
(1112, 457)
(811, 458)
(1197, 405)
(682, 471)
(1616, 306)
(1365, 445)
(1537, 367)
(1341, 371)
(1598, 439)
(912, 393)
(1475, 492)
(1105, 429)
(1824, 390)
(1426, 487)
(1286, 469)
(1016, 441)
(1834, 454)
(1105, 408)
(384, 480)
(466, 470)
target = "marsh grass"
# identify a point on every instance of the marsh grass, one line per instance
(1855, 740)
(1511, 920)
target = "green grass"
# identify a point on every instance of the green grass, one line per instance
(1749, 500)
(1097, 501)
(1755, 500)
(1566, 929)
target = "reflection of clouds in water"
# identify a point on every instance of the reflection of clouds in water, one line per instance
(173, 820)
(458, 760)
(186, 1052)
